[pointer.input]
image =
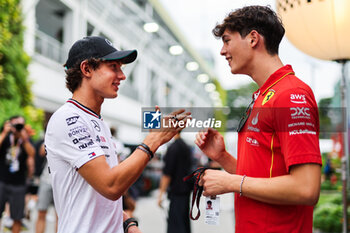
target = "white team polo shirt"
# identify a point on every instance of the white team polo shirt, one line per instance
(74, 136)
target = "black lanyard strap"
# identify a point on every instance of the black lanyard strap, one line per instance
(197, 190)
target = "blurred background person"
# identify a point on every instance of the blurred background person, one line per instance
(45, 194)
(129, 202)
(16, 165)
(178, 163)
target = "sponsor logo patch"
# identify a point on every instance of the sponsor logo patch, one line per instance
(100, 139)
(254, 129)
(255, 119)
(268, 96)
(91, 155)
(76, 140)
(77, 130)
(297, 113)
(252, 141)
(302, 131)
(297, 98)
(96, 125)
(72, 120)
(296, 124)
(85, 145)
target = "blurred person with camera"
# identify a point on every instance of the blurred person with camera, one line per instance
(16, 164)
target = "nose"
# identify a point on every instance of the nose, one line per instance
(121, 75)
(223, 51)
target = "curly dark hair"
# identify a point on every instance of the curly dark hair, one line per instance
(74, 76)
(260, 18)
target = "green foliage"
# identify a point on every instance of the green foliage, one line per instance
(241, 97)
(220, 115)
(13, 60)
(15, 92)
(328, 217)
(238, 100)
(324, 108)
(328, 214)
(327, 185)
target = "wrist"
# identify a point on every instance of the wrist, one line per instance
(4, 133)
(146, 149)
(130, 222)
(131, 225)
(222, 157)
(25, 140)
(236, 185)
(151, 143)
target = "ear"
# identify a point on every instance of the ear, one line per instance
(254, 38)
(85, 68)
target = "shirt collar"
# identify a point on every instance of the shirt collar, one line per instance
(84, 108)
(277, 76)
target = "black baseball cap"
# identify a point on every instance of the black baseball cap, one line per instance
(99, 48)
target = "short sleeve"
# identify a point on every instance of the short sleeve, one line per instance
(297, 126)
(70, 138)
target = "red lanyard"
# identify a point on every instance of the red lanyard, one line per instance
(197, 190)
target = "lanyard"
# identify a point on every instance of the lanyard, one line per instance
(197, 190)
(14, 148)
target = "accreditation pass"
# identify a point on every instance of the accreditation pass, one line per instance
(212, 210)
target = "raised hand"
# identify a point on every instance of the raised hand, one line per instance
(211, 142)
(175, 122)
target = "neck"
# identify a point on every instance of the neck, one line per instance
(93, 103)
(264, 67)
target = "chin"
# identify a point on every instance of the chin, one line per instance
(234, 70)
(111, 96)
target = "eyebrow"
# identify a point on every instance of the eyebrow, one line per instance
(114, 61)
(224, 37)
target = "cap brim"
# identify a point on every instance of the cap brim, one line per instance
(126, 56)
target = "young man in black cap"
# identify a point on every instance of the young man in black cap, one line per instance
(86, 177)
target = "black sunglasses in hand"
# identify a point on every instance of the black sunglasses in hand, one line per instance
(246, 115)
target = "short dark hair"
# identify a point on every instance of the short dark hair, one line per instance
(15, 117)
(260, 18)
(74, 76)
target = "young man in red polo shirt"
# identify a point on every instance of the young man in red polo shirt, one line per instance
(276, 177)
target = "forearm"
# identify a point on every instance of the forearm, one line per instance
(128, 171)
(29, 148)
(163, 186)
(113, 182)
(227, 162)
(287, 190)
(2, 137)
(30, 166)
(301, 186)
(164, 183)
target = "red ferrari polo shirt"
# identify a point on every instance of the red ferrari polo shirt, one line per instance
(281, 131)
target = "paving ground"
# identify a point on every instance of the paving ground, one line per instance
(152, 219)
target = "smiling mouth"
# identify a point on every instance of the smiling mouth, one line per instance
(116, 86)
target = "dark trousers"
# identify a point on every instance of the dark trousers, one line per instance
(178, 218)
